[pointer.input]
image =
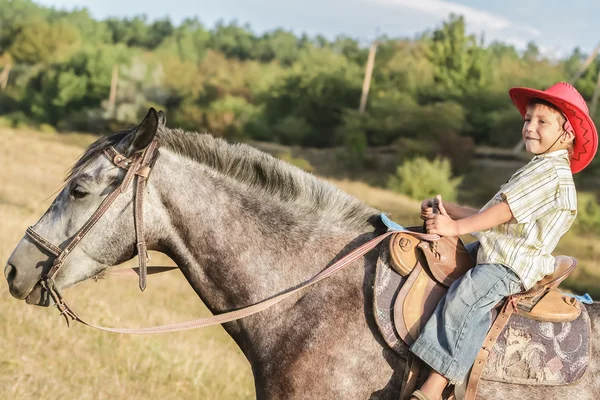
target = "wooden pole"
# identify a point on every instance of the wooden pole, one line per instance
(367, 79)
(595, 97)
(4, 76)
(585, 65)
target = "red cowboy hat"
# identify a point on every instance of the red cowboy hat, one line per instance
(573, 106)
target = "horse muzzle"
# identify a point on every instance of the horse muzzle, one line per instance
(39, 296)
(29, 289)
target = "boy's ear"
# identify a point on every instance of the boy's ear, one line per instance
(568, 137)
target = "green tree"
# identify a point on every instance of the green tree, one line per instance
(13, 18)
(54, 91)
(406, 68)
(159, 30)
(137, 32)
(278, 45)
(457, 59)
(41, 42)
(189, 42)
(350, 49)
(92, 33)
(319, 87)
(532, 52)
(233, 40)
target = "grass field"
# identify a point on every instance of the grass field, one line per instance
(41, 359)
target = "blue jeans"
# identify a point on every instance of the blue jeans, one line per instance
(453, 336)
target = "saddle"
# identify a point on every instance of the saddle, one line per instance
(428, 268)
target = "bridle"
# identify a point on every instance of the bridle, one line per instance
(139, 167)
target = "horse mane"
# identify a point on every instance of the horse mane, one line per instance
(251, 167)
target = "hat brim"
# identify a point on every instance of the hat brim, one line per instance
(586, 136)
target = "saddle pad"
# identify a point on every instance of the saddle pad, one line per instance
(387, 285)
(540, 353)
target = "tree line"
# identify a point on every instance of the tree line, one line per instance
(57, 68)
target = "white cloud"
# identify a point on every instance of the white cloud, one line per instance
(519, 43)
(555, 52)
(531, 30)
(442, 9)
(494, 27)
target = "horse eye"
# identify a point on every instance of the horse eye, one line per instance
(78, 192)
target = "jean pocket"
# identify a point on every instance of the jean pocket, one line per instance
(516, 287)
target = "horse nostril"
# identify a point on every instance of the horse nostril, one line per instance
(10, 272)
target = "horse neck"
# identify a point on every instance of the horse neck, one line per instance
(238, 245)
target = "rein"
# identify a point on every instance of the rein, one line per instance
(67, 311)
(139, 168)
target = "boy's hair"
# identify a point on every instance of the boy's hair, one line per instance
(559, 116)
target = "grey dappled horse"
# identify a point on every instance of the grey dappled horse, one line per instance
(244, 226)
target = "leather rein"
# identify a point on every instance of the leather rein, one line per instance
(139, 168)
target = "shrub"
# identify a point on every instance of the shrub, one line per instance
(47, 128)
(227, 116)
(292, 130)
(5, 122)
(296, 161)
(420, 178)
(19, 119)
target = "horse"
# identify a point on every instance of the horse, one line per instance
(243, 226)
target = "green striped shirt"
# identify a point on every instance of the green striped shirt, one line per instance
(543, 200)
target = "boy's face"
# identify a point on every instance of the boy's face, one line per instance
(541, 129)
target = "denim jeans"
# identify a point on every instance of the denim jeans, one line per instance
(453, 336)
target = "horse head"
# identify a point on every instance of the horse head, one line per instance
(94, 178)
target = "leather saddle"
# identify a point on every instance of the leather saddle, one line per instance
(430, 267)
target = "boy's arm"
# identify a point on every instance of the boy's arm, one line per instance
(454, 210)
(459, 212)
(443, 225)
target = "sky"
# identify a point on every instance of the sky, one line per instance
(557, 27)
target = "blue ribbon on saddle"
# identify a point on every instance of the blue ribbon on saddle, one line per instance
(392, 226)
(585, 299)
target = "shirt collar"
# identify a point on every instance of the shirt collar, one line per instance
(557, 153)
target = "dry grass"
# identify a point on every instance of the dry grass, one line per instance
(41, 358)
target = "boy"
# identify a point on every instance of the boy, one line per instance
(517, 231)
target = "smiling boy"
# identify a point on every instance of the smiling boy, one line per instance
(517, 230)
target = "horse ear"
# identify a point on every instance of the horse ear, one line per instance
(162, 118)
(141, 136)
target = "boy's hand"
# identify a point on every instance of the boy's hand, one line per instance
(426, 209)
(441, 224)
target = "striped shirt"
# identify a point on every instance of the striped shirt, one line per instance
(543, 201)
